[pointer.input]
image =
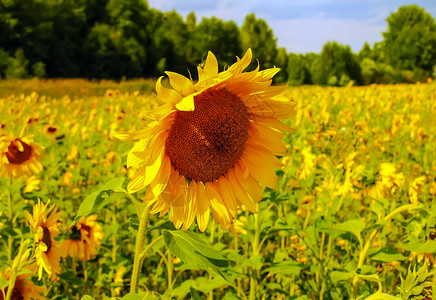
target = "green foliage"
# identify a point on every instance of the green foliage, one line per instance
(126, 39)
(256, 34)
(95, 201)
(410, 42)
(416, 285)
(222, 38)
(335, 62)
(17, 67)
(298, 70)
(190, 248)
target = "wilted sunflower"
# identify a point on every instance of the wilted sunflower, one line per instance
(85, 237)
(19, 156)
(24, 289)
(44, 222)
(212, 143)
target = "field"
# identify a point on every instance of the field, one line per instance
(354, 213)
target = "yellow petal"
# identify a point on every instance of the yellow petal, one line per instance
(240, 192)
(261, 172)
(226, 192)
(132, 158)
(161, 180)
(187, 103)
(211, 65)
(250, 185)
(268, 73)
(128, 136)
(267, 138)
(256, 152)
(190, 206)
(203, 210)
(167, 95)
(152, 170)
(137, 182)
(180, 83)
(216, 203)
(246, 59)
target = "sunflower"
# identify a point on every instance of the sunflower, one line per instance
(85, 237)
(44, 222)
(24, 289)
(19, 156)
(211, 143)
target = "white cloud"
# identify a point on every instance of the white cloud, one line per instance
(310, 34)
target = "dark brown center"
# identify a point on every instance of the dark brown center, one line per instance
(205, 143)
(52, 129)
(46, 238)
(17, 156)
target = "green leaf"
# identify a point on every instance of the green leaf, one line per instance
(194, 294)
(134, 223)
(340, 276)
(3, 283)
(87, 297)
(285, 268)
(386, 255)
(93, 202)
(189, 247)
(353, 226)
(381, 296)
(165, 225)
(133, 296)
(426, 247)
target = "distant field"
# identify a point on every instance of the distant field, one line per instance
(72, 87)
(354, 212)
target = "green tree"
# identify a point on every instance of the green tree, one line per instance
(17, 65)
(222, 38)
(335, 61)
(256, 34)
(170, 40)
(298, 69)
(281, 61)
(410, 41)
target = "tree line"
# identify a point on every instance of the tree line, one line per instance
(127, 39)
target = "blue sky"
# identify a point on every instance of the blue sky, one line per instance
(303, 26)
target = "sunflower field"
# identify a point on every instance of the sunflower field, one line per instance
(349, 211)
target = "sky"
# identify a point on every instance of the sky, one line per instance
(303, 26)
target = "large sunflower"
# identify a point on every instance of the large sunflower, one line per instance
(44, 222)
(19, 156)
(211, 144)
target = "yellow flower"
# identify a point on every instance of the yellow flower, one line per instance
(211, 143)
(32, 184)
(429, 258)
(19, 156)
(44, 222)
(118, 278)
(309, 161)
(74, 153)
(238, 226)
(415, 188)
(24, 289)
(388, 181)
(85, 237)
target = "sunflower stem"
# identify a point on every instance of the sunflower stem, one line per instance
(16, 265)
(255, 248)
(140, 237)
